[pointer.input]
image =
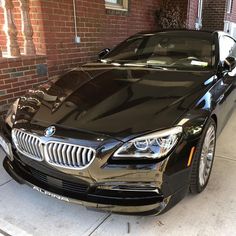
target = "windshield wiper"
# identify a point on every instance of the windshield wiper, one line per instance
(141, 65)
(145, 65)
(156, 66)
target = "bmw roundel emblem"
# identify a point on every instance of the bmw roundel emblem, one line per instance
(50, 131)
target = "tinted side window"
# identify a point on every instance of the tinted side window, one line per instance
(227, 47)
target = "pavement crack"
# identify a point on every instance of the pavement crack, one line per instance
(5, 183)
(100, 224)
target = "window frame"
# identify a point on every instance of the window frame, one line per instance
(116, 6)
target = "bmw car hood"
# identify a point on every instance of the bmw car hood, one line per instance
(117, 101)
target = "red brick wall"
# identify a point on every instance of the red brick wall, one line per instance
(2, 35)
(38, 26)
(19, 75)
(214, 14)
(53, 26)
(97, 29)
(232, 16)
(192, 13)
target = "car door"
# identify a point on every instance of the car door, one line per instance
(227, 83)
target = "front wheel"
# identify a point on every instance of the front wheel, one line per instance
(203, 158)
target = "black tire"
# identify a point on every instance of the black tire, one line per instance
(195, 186)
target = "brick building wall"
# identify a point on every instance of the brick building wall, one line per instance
(214, 14)
(97, 27)
(192, 13)
(2, 35)
(231, 16)
(18, 75)
(53, 25)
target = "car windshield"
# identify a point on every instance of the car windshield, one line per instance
(177, 50)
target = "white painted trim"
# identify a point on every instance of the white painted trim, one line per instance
(118, 7)
(229, 6)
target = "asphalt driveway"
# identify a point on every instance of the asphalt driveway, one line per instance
(26, 212)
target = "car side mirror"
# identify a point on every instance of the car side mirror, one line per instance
(103, 53)
(229, 64)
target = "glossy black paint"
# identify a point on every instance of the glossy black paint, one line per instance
(145, 99)
(102, 106)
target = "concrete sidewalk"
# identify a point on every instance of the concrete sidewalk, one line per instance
(26, 212)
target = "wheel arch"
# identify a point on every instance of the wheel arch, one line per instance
(214, 117)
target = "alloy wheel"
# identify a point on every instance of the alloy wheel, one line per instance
(207, 155)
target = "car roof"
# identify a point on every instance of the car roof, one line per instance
(176, 30)
(218, 32)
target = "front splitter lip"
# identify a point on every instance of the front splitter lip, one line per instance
(131, 210)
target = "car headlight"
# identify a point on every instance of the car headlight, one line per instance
(10, 117)
(155, 145)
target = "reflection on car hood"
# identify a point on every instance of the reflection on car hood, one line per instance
(116, 101)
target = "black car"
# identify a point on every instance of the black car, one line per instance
(133, 132)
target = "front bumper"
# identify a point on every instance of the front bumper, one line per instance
(112, 201)
(162, 186)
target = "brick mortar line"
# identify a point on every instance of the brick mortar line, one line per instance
(226, 158)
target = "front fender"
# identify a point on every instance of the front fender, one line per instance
(193, 123)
